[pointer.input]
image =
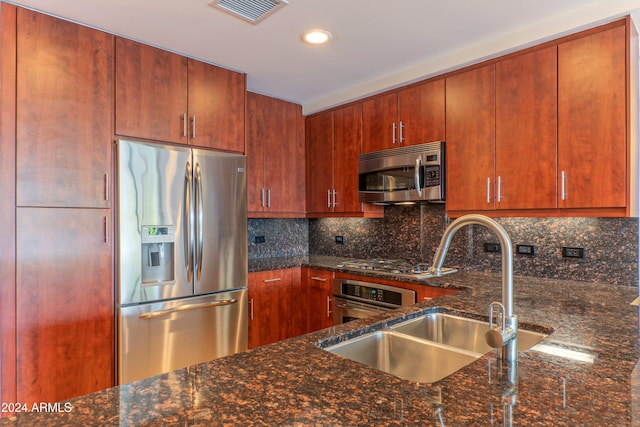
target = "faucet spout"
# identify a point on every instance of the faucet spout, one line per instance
(510, 349)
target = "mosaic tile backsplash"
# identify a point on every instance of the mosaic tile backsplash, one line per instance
(414, 232)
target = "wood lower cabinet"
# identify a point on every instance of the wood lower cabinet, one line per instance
(269, 306)
(275, 158)
(65, 303)
(320, 298)
(168, 97)
(64, 125)
(7, 203)
(409, 116)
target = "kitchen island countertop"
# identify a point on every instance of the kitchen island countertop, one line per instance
(586, 375)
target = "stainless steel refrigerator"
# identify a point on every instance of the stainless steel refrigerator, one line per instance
(182, 257)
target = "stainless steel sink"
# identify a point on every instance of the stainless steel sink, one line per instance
(405, 356)
(460, 332)
(426, 349)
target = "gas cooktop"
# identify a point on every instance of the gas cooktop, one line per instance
(393, 267)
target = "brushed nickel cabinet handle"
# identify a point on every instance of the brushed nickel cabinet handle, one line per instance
(106, 187)
(320, 279)
(393, 133)
(184, 124)
(563, 185)
(276, 279)
(488, 190)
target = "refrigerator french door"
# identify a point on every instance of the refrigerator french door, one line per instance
(182, 257)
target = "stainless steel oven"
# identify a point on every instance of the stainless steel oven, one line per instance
(356, 299)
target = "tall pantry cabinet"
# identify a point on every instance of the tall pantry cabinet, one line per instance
(63, 267)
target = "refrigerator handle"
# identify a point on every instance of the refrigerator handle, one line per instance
(186, 307)
(200, 223)
(188, 220)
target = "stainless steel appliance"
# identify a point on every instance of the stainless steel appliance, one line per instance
(393, 267)
(356, 299)
(182, 257)
(405, 174)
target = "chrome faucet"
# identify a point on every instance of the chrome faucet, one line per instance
(505, 334)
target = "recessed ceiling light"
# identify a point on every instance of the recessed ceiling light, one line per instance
(316, 36)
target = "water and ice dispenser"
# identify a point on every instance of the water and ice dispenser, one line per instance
(158, 260)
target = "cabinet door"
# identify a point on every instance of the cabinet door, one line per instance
(592, 120)
(216, 107)
(64, 113)
(151, 92)
(269, 307)
(422, 113)
(65, 306)
(470, 119)
(347, 137)
(274, 139)
(380, 122)
(319, 163)
(526, 126)
(320, 299)
(260, 128)
(299, 307)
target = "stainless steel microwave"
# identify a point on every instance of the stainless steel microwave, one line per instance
(413, 173)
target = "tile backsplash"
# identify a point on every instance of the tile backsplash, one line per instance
(414, 232)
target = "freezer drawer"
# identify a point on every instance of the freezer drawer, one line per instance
(160, 337)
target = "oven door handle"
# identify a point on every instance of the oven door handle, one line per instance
(360, 309)
(416, 175)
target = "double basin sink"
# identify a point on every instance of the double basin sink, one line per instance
(427, 348)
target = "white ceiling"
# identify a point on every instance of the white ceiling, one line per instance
(377, 44)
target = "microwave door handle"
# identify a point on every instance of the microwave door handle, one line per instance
(417, 175)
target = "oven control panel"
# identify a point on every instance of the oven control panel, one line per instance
(376, 294)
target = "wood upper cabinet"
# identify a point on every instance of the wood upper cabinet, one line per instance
(320, 298)
(592, 118)
(64, 125)
(275, 157)
(410, 116)
(319, 140)
(269, 306)
(65, 305)
(470, 121)
(167, 97)
(216, 107)
(347, 137)
(526, 125)
(333, 145)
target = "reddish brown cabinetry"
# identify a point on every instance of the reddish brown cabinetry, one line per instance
(470, 118)
(410, 116)
(269, 307)
(275, 158)
(164, 96)
(65, 330)
(333, 145)
(320, 298)
(64, 124)
(592, 117)
(545, 131)
(526, 124)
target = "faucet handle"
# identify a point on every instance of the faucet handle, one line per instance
(500, 322)
(498, 336)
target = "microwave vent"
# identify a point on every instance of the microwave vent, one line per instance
(253, 11)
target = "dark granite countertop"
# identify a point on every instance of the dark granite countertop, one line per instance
(294, 382)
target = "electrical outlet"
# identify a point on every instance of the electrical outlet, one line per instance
(340, 240)
(525, 250)
(492, 247)
(259, 239)
(572, 252)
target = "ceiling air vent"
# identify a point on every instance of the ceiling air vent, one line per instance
(253, 11)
